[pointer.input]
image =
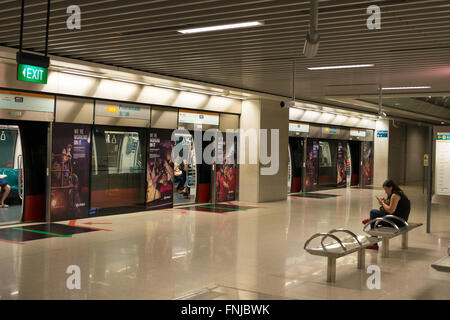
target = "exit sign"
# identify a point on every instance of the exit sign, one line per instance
(34, 74)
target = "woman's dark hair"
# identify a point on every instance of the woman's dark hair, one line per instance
(391, 184)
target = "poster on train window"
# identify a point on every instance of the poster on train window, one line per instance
(342, 165)
(312, 165)
(227, 172)
(367, 163)
(70, 165)
(160, 169)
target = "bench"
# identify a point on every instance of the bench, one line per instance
(443, 264)
(340, 248)
(386, 233)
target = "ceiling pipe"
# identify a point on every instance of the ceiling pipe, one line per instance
(312, 37)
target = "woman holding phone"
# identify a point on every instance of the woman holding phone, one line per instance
(396, 203)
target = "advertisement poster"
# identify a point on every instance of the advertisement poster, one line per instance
(160, 169)
(312, 165)
(367, 163)
(226, 174)
(70, 171)
(342, 165)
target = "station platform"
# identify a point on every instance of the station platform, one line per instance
(251, 251)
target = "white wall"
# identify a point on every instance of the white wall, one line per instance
(254, 187)
(381, 154)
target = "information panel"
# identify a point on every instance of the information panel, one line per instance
(358, 133)
(23, 101)
(328, 130)
(298, 127)
(442, 175)
(122, 110)
(198, 117)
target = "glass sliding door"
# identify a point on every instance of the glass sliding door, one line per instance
(118, 170)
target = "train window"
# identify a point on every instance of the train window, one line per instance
(325, 155)
(118, 169)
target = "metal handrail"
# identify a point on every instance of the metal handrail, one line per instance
(324, 236)
(398, 218)
(378, 220)
(347, 231)
(335, 238)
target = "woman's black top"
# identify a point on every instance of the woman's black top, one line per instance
(403, 208)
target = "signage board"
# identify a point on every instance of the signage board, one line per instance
(298, 127)
(198, 117)
(426, 160)
(382, 134)
(23, 101)
(121, 110)
(328, 130)
(33, 74)
(442, 172)
(358, 133)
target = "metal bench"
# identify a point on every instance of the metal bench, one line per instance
(443, 264)
(387, 233)
(340, 248)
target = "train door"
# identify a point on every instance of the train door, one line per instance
(185, 170)
(118, 170)
(355, 162)
(296, 146)
(23, 163)
(327, 163)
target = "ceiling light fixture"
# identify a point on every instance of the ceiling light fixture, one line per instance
(222, 27)
(406, 88)
(352, 66)
(131, 81)
(203, 92)
(167, 87)
(84, 74)
(235, 97)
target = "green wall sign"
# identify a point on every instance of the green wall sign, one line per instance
(32, 73)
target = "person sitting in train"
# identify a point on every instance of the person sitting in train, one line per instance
(4, 186)
(180, 177)
(396, 203)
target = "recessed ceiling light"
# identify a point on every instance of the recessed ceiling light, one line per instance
(131, 81)
(222, 27)
(352, 66)
(407, 88)
(84, 74)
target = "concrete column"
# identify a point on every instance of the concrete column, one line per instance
(381, 153)
(253, 186)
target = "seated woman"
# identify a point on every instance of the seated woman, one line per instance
(397, 204)
(4, 186)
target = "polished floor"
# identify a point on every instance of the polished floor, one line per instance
(11, 214)
(255, 253)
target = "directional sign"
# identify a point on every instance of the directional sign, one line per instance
(32, 73)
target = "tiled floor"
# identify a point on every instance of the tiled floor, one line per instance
(252, 254)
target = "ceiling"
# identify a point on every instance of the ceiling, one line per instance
(411, 49)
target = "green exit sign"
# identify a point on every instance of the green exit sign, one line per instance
(34, 74)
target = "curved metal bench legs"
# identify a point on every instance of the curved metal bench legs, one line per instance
(331, 269)
(362, 259)
(385, 248)
(405, 240)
